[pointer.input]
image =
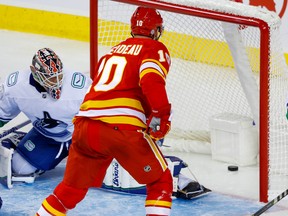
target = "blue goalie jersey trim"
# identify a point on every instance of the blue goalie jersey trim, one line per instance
(52, 128)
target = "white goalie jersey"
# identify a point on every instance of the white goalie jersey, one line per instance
(52, 118)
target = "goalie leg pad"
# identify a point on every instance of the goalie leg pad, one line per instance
(5, 166)
(175, 164)
(34, 145)
(22, 171)
(119, 180)
(20, 166)
(184, 187)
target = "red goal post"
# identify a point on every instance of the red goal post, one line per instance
(244, 48)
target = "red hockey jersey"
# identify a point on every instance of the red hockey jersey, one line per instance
(128, 83)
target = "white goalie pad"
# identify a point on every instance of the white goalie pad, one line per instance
(118, 179)
(6, 176)
(171, 165)
(5, 166)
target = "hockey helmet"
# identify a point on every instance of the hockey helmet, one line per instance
(147, 22)
(47, 70)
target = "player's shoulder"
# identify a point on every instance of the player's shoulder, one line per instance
(150, 44)
(16, 78)
(158, 45)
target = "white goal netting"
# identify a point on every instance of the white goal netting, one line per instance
(217, 68)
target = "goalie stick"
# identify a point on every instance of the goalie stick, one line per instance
(13, 129)
(271, 203)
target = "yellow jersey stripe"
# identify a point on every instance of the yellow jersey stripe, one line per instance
(158, 203)
(47, 206)
(121, 120)
(158, 64)
(156, 151)
(98, 104)
(150, 70)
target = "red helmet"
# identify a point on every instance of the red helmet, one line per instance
(147, 22)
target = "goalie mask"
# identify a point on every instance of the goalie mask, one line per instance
(147, 22)
(47, 70)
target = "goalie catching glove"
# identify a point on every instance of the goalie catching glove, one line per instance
(159, 122)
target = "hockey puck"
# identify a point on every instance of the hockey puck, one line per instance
(233, 168)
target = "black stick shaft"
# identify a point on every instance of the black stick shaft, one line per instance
(13, 129)
(271, 203)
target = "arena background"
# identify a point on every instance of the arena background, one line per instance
(70, 18)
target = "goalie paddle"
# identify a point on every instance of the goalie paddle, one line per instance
(271, 203)
(15, 128)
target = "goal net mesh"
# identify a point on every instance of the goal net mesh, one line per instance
(206, 75)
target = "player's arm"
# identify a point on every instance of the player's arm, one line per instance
(7, 113)
(8, 110)
(8, 107)
(159, 121)
(153, 74)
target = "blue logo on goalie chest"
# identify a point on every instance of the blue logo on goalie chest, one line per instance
(78, 80)
(12, 79)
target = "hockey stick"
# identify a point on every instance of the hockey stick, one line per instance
(15, 128)
(271, 203)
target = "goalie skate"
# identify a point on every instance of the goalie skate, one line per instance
(24, 178)
(192, 190)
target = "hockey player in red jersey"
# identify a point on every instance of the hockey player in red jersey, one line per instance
(122, 115)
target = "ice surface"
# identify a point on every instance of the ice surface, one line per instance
(233, 193)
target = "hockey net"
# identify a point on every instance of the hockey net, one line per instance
(226, 58)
